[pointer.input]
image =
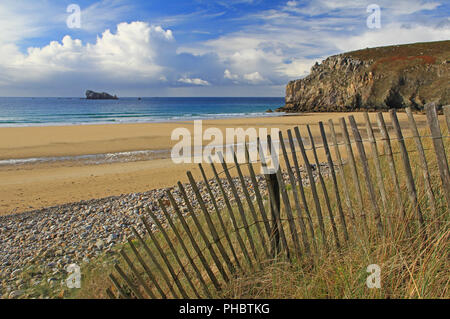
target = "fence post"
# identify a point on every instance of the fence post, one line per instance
(423, 161)
(354, 171)
(439, 149)
(376, 160)
(342, 173)
(366, 172)
(275, 202)
(295, 194)
(390, 157)
(274, 206)
(312, 184)
(408, 170)
(324, 188)
(334, 179)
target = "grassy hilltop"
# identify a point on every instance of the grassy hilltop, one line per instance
(376, 78)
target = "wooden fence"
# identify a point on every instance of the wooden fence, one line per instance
(295, 214)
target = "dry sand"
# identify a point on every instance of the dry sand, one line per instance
(34, 186)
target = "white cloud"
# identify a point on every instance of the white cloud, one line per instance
(393, 34)
(195, 81)
(131, 51)
(254, 77)
(298, 68)
(267, 49)
(230, 76)
(98, 15)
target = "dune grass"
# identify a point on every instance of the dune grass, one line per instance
(411, 267)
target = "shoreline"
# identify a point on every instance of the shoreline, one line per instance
(158, 121)
(34, 186)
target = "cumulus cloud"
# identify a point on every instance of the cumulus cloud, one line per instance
(195, 81)
(131, 53)
(254, 77)
(265, 49)
(228, 75)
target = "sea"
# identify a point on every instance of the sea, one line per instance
(75, 111)
(20, 112)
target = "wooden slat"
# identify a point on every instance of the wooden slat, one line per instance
(407, 166)
(324, 188)
(130, 284)
(302, 189)
(219, 217)
(424, 164)
(157, 264)
(287, 205)
(277, 232)
(275, 204)
(202, 233)
(275, 210)
(346, 189)
(250, 205)
(145, 266)
(172, 248)
(393, 171)
(333, 177)
(118, 287)
(164, 258)
(197, 249)
(258, 195)
(185, 250)
(239, 205)
(376, 160)
(366, 172)
(354, 171)
(312, 184)
(110, 294)
(141, 281)
(231, 215)
(439, 149)
(295, 195)
(210, 224)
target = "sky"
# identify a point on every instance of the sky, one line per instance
(193, 48)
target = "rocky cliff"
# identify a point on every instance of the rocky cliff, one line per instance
(378, 78)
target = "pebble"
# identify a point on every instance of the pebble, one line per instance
(76, 232)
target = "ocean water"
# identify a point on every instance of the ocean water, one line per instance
(71, 111)
(16, 112)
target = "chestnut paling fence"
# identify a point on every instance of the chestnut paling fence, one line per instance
(298, 215)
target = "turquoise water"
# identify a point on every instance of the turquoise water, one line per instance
(68, 111)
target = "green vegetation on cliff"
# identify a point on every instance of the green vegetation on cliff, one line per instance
(377, 78)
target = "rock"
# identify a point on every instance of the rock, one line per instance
(82, 231)
(374, 79)
(111, 238)
(91, 95)
(269, 111)
(99, 244)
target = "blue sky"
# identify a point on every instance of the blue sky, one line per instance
(193, 48)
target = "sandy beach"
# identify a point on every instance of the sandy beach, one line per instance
(33, 186)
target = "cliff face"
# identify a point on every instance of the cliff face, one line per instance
(379, 78)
